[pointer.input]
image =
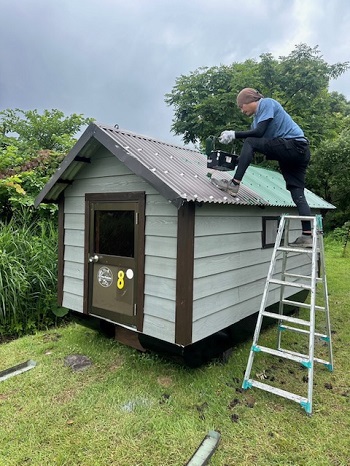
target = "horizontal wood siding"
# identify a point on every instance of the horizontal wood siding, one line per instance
(107, 174)
(160, 268)
(230, 266)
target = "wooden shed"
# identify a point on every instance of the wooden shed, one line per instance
(148, 245)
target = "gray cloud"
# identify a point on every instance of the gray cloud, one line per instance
(114, 60)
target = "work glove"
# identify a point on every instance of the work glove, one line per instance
(227, 136)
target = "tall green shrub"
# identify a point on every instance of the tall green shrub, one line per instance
(28, 275)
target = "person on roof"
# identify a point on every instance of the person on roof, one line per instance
(274, 134)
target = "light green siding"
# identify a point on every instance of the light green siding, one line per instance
(230, 266)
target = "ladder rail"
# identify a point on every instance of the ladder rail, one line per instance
(326, 304)
(312, 313)
(264, 300)
(284, 250)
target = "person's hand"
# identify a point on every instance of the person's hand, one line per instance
(227, 136)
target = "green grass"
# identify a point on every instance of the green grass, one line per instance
(131, 409)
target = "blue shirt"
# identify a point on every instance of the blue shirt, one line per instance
(281, 125)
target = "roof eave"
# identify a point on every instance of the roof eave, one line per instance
(94, 132)
(138, 168)
(57, 177)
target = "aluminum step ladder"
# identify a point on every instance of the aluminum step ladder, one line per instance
(314, 259)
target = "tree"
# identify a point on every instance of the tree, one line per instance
(31, 147)
(205, 104)
(205, 101)
(329, 174)
(32, 132)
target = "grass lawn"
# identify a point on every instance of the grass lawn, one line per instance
(130, 409)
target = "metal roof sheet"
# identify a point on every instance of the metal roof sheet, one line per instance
(272, 187)
(178, 173)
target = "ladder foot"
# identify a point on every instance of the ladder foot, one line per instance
(307, 364)
(307, 406)
(246, 384)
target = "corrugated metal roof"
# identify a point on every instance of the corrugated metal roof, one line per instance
(178, 173)
(272, 187)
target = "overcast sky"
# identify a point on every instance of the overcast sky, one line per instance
(114, 60)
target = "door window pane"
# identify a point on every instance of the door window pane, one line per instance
(114, 232)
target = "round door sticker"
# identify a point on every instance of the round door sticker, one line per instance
(129, 274)
(105, 276)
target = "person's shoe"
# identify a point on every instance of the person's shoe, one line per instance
(226, 185)
(304, 241)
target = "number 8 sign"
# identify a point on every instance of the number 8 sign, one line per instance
(120, 281)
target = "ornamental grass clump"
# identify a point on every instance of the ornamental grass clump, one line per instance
(28, 275)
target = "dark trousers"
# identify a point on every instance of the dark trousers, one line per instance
(293, 157)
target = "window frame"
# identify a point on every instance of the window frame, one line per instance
(266, 220)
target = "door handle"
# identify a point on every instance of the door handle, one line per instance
(93, 258)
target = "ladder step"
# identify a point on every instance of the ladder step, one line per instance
(306, 277)
(294, 275)
(303, 305)
(301, 330)
(297, 357)
(294, 284)
(292, 320)
(300, 217)
(277, 391)
(294, 353)
(303, 356)
(323, 361)
(298, 250)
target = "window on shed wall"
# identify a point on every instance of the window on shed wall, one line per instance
(269, 231)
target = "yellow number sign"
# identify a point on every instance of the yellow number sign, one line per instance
(120, 282)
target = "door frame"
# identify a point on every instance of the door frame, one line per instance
(140, 198)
